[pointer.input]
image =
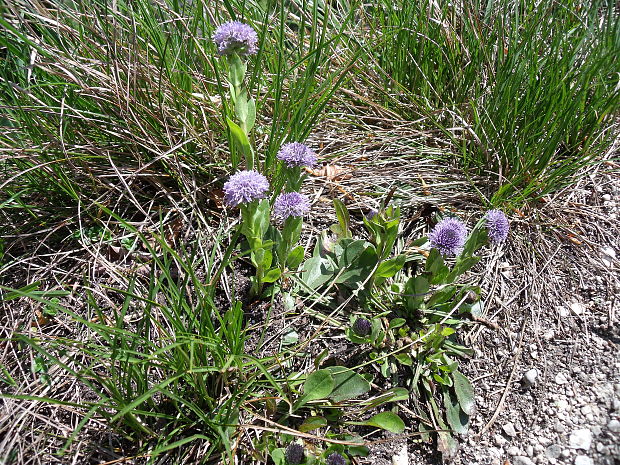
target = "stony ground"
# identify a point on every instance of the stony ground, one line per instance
(548, 381)
(548, 378)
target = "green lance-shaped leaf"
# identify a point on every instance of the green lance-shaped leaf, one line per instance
(245, 109)
(415, 290)
(393, 395)
(347, 384)
(278, 456)
(272, 275)
(343, 218)
(241, 108)
(312, 423)
(316, 272)
(390, 267)
(457, 419)
(236, 72)
(318, 385)
(388, 421)
(464, 392)
(436, 267)
(255, 220)
(251, 117)
(462, 265)
(476, 239)
(441, 296)
(295, 258)
(242, 143)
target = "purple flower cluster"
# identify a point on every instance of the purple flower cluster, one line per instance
(291, 204)
(362, 327)
(294, 454)
(497, 225)
(448, 236)
(371, 213)
(297, 154)
(236, 37)
(245, 187)
(335, 459)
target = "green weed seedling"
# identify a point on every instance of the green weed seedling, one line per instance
(362, 267)
(409, 323)
(325, 401)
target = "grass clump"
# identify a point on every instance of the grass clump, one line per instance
(526, 91)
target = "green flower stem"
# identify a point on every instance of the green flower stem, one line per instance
(254, 224)
(291, 233)
(236, 74)
(257, 284)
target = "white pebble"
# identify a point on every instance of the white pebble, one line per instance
(402, 458)
(529, 378)
(578, 308)
(513, 450)
(583, 460)
(580, 439)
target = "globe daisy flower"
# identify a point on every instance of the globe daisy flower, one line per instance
(297, 154)
(291, 204)
(497, 225)
(245, 187)
(362, 327)
(335, 459)
(236, 37)
(448, 236)
(294, 453)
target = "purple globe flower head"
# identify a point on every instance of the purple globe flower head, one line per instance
(236, 37)
(291, 204)
(245, 187)
(362, 327)
(335, 459)
(297, 154)
(371, 213)
(448, 236)
(497, 225)
(294, 453)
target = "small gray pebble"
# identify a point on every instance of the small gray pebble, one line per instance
(553, 451)
(559, 427)
(614, 426)
(565, 453)
(544, 441)
(513, 450)
(521, 460)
